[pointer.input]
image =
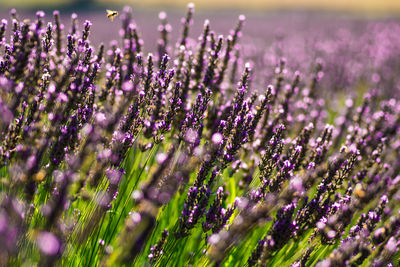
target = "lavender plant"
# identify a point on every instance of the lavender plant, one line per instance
(111, 156)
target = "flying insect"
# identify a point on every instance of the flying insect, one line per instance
(111, 14)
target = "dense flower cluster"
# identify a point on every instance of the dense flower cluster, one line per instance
(110, 156)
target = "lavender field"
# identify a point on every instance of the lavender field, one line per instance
(208, 139)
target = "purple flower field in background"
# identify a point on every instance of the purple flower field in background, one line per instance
(300, 36)
(207, 140)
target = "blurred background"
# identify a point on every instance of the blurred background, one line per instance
(371, 7)
(368, 31)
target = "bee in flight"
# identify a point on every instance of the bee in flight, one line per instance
(111, 14)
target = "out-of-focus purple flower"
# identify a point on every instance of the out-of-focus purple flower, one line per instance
(48, 243)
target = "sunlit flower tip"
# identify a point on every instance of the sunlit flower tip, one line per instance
(297, 184)
(62, 97)
(19, 87)
(287, 164)
(391, 245)
(136, 217)
(127, 9)
(162, 15)
(137, 195)
(217, 138)
(353, 149)
(242, 17)
(331, 234)
(161, 157)
(88, 23)
(311, 165)
(214, 239)
(320, 225)
(373, 215)
(220, 190)
(191, 136)
(349, 102)
(384, 199)
(190, 5)
(40, 14)
(48, 243)
(222, 123)
(56, 13)
(241, 202)
(100, 117)
(127, 86)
